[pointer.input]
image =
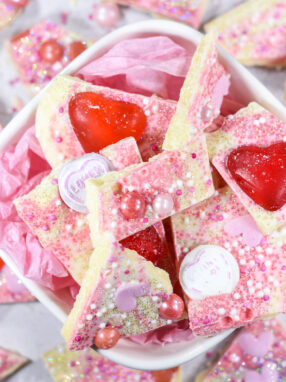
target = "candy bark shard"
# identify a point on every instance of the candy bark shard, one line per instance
(258, 128)
(247, 357)
(223, 221)
(182, 175)
(56, 134)
(10, 362)
(120, 289)
(34, 72)
(189, 12)
(254, 32)
(201, 96)
(59, 228)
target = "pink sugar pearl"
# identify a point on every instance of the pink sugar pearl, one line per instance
(106, 15)
(163, 204)
(132, 205)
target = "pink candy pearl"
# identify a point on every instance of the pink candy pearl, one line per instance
(173, 308)
(132, 205)
(106, 15)
(17, 3)
(163, 204)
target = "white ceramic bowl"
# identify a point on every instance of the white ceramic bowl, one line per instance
(246, 87)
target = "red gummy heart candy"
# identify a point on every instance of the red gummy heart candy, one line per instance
(1, 263)
(147, 243)
(99, 122)
(261, 173)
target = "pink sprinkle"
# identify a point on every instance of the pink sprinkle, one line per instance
(220, 218)
(165, 296)
(108, 324)
(59, 139)
(257, 261)
(118, 326)
(263, 268)
(283, 267)
(64, 17)
(206, 321)
(78, 338)
(194, 155)
(61, 110)
(54, 181)
(209, 354)
(88, 357)
(266, 298)
(127, 271)
(90, 17)
(243, 270)
(72, 364)
(30, 216)
(45, 228)
(209, 182)
(192, 189)
(154, 147)
(115, 244)
(195, 321)
(53, 217)
(112, 258)
(179, 192)
(145, 220)
(213, 216)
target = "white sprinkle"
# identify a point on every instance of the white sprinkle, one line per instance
(188, 175)
(98, 314)
(187, 220)
(147, 113)
(252, 263)
(242, 262)
(269, 251)
(260, 294)
(113, 224)
(92, 306)
(261, 257)
(267, 291)
(155, 108)
(221, 311)
(102, 325)
(68, 227)
(190, 182)
(159, 285)
(256, 122)
(249, 282)
(202, 215)
(227, 245)
(268, 263)
(58, 202)
(247, 248)
(80, 223)
(111, 306)
(61, 156)
(169, 322)
(241, 252)
(154, 322)
(259, 249)
(107, 286)
(251, 290)
(276, 283)
(180, 183)
(123, 315)
(185, 250)
(146, 101)
(147, 186)
(114, 265)
(130, 188)
(233, 311)
(114, 211)
(235, 244)
(236, 296)
(236, 318)
(270, 279)
(155, 298)
(258, 285)
(80, 326)
(103, 310)
(262, 120)
(89, 317)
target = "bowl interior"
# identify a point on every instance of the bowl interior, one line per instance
(244, 86)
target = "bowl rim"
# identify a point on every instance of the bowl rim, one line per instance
(124, 353)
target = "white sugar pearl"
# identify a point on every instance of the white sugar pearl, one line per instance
(236, 296)
(221, 311)
(89, 317)
(102, 325)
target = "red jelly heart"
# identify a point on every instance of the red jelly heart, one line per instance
(261, 173)
(1, 263)
(99, 122)
(147, 243)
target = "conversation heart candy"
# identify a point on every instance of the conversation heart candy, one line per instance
(73, 175)
(208, 270)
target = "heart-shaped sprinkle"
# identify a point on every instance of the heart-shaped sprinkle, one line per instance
(99, 122)
(257, 347)
(208, 270)
(127, 294)
(73, 175)
(246, 226)
(261, 173)
(268, 374)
